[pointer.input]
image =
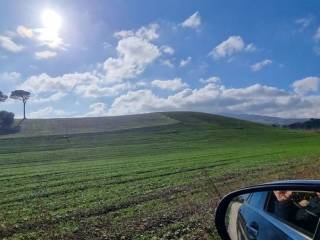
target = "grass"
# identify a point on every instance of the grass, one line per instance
(154, 178)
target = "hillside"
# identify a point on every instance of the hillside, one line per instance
(61, 126)
(265, 119)
(67, 126)
(158, 179)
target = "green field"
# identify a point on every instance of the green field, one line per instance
(142, 177)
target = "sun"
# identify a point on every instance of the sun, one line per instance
(51, 20)
(52, 23)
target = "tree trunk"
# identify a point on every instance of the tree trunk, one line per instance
(24, 109)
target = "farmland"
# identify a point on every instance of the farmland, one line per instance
(138, 177)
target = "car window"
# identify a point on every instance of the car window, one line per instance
(301, 211)
(257, 199)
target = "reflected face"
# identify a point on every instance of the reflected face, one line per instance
(274, 215)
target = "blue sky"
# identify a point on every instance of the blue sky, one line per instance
(99, 58)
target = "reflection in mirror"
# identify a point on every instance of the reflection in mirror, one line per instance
(274, 215)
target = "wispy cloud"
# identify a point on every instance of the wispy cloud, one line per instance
(45, 55)
(8, 44)
(304, 22)
(260, 65)
(185, 62)
(25, 32)
(194, 21)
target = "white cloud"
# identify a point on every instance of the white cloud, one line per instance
(50, 112)
(44, 36)
(135, 53)
(44, 83)
(95, 90)
(167, 63)
(194, 21)
(307, 85)
(9, 80)
(24, 32)
(213, 79)
(167, 49)
(185, 62)
(11, 77)
(250, 48)
(149, 33)
(215, 98)
(234, 44)
(48, 98)
(173, 85)
(304, 22)
(144, 101)
(259, 65)
(8, 44)
(317, 35)
(87, 84)
(45, 55)
(97, 110)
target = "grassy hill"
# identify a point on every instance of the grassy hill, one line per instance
(156, 178)
(65, 126)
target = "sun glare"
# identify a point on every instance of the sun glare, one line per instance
(51, 20)
(51, 26)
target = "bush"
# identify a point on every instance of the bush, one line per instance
(6, 119)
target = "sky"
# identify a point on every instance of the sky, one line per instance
(115, 57)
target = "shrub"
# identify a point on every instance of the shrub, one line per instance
(6, 119)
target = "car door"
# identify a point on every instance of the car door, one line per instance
(255, 223)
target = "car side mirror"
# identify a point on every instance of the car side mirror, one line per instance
(277, 210)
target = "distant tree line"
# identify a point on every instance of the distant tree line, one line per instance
(7, 118)
(311, 124)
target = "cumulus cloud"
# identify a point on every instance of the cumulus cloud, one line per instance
(259, 65)
(11, 77)
(215, 98)
(234, 44)
(45, 55)
(173, 85)
(8, 44)
(50, 112)
(307, 85)
(9, 80)
(194, 21)
(185, 62)
(24, 32)
(95, 90)
(96, 110)
(135, 52)
(213, 79)
(44, 83)
(146, 32)
(87, 84)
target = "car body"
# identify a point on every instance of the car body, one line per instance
(253, 214)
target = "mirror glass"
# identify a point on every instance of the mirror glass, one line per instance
(274, 215)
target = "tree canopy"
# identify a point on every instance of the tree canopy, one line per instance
(20, 95)
(3, 97)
